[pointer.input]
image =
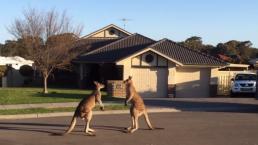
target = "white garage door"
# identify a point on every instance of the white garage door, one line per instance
(192, 82)
(150, 82)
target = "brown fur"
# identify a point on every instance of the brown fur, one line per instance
(84, 109)
(137, 108)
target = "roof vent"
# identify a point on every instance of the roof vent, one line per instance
(111, 32)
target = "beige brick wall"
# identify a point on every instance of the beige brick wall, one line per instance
(116, 88)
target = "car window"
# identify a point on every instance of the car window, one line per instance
(241, 77)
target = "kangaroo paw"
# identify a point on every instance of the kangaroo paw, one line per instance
(91, 130)
(132, 130)
(128, 128)
(90, 134)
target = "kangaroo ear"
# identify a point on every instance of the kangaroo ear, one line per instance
(130, 77)
(95, 82)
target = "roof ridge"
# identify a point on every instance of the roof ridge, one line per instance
(158, 42)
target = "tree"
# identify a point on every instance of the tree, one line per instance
(239, 51)
(15, 48)
(195, 42)
(48, 37)
(1, 49)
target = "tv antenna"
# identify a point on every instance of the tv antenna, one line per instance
(125, 20)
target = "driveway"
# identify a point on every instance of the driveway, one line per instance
(184, 128)
(240, 105)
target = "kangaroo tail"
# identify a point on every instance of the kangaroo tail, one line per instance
(148, 122)
(72, 125)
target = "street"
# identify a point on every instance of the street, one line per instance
(184, 128)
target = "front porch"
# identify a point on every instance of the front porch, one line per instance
(101, 72)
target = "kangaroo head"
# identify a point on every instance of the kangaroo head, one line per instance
(98, 85)
(128, 81)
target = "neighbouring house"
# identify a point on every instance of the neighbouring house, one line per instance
(159, 68)
(13, 77)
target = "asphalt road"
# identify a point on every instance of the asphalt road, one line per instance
(184, 128)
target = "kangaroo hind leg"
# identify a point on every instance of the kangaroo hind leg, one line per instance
(87, 129)
(147, 120)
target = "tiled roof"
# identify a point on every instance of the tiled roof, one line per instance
(87, 45)
(118, 49)
(129, 45)
(184, 55)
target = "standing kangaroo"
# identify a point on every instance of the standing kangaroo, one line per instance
(84, 109)
(137, 108)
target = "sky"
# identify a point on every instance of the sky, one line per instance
(214, 20)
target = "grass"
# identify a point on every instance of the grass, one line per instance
(35, 95)
(53, 110)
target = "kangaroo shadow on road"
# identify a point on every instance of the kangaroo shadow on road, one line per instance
(30, 127)
(51, 129)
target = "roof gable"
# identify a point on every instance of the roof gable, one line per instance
(110, 31)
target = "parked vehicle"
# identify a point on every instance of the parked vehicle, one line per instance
(243, 83)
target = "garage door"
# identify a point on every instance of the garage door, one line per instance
(192, 82)
(150, 82)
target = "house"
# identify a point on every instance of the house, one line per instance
(13, 77)
(159, 68)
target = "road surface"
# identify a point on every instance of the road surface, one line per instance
(184, 128)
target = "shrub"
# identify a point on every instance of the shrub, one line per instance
(26, 71)
(3, 70)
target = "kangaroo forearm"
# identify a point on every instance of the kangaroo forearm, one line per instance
(128, 99)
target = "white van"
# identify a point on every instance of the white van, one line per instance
(243, 83)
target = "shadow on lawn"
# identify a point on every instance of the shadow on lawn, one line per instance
(204, 106)
(60, 95)
(78, 96)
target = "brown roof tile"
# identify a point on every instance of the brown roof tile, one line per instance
(118, 49)
(185, 55)
(87, 45)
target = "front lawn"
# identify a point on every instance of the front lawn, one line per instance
(34, 95)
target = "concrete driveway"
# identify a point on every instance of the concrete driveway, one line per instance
(184, 128)
(240, 105)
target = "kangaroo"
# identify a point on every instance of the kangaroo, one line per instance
(84, 109)
(137, 108)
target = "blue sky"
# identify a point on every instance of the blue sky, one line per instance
(213, 20)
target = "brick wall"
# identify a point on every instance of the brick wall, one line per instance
(116, 88)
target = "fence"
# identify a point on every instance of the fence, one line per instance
(224, 81)
(224, 84)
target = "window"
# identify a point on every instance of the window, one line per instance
(149, 58)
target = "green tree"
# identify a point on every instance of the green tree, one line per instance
(196, 43)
